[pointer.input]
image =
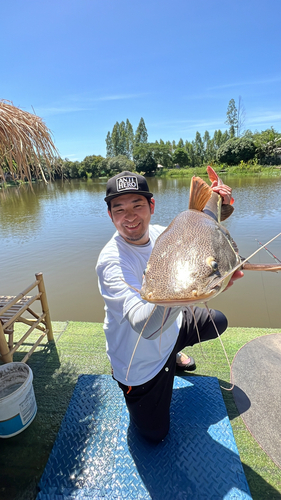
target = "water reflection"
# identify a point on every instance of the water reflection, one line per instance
(60, 228)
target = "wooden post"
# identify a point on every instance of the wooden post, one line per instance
(4, 349)
(45, 307)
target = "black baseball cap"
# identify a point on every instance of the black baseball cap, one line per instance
(124, 183)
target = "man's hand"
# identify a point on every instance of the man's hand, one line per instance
(236, 276)
(225, 192)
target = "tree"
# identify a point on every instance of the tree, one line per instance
(141, 134)
(198, 147)
(129, 139)
(180, 157)
(119, 164)
(120, 141)
(206, 139)
(208, 147)
(235, 117)
(115, 138)
(109, 146)
(188, 146)
(241, 116)
(122, 146)
(146, 164)
(91, 166)
(268, 143)
(235, 150)
(231, 117)
(161, 153)
(71, 168)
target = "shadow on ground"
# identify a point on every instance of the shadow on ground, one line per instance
(23, 457)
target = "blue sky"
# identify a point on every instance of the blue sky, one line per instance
(82, 65)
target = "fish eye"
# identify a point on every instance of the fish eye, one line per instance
(212, 263)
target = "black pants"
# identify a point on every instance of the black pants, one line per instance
(149, 403)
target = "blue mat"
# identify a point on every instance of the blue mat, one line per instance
(98, 455)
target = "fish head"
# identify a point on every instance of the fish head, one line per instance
(188, 259)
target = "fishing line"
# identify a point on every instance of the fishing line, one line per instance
(137, 343)
(198, 334)
(165, 309)
(263, 285)
(225, 353)
(238, 266)
(269, 252)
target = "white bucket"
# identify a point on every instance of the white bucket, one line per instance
(17, 400)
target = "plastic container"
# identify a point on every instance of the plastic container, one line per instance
(17, 400)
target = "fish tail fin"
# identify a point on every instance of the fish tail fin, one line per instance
(200, 193)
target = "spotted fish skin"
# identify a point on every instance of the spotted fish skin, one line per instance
(187, 259)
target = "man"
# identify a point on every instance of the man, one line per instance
(146, 378)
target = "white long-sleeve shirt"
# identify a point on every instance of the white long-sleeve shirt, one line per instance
(126, 312)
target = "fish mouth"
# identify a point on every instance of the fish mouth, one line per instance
(219, 282)
(185, 301)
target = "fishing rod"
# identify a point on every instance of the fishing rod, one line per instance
(269, 252)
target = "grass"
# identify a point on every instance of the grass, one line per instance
(243, 169)
(80, 348)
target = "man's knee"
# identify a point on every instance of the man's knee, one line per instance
(154, 436)
(220, 321)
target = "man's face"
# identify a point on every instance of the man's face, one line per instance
(130, 214)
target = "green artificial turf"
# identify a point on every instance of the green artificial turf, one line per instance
(79, 348)
(263, 476)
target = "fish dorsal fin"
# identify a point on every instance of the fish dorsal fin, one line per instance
(200, 193)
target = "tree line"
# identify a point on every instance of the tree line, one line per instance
(126, 150)
(129, 150)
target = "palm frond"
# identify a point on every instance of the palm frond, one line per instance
(24, 141)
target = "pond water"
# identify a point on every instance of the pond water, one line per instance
(60, 228)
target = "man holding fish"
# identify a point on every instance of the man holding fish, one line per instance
(145, 373)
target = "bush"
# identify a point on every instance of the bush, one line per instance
(236, 150)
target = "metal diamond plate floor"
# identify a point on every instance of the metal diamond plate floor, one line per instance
(98, 455)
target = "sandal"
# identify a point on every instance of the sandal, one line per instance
(184, 362)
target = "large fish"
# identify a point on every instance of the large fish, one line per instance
(194, 259)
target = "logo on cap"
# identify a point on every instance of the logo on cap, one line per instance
(123, 183)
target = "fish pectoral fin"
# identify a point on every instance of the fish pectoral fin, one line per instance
(213, 176)
(200, 193)
(226, 211)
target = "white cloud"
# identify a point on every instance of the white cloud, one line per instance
(57, 110)
(83, 104)
(264, 117)
(118, 97)
(264, 81)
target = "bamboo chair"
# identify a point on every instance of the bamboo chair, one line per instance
(20, 309)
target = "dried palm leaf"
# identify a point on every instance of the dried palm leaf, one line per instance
(24, 141)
